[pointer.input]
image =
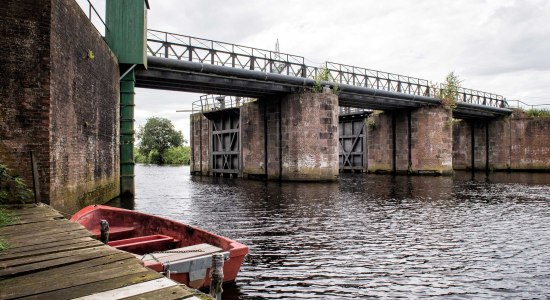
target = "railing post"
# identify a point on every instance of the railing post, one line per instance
(304, 71)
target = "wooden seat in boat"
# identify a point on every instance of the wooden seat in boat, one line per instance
(116, 232)
(144, 244)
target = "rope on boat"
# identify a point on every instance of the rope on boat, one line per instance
(152, 254)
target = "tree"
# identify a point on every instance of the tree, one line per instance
(157, 136)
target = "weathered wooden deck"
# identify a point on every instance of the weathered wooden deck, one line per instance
(50, 257)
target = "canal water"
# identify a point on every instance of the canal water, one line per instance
(370, 236)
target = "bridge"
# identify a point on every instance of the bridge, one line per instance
(190, 64)
(68, 121)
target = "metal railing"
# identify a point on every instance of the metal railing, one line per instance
(208, 103)
(182, 47)
(90, 11)
(525, 106)
(357, 76)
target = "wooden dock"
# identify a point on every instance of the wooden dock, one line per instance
(50, 257)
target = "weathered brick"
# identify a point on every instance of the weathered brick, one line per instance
(515, 143)
(59, 103)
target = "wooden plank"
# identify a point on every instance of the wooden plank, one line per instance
(35, 218)
(27, 209)
(30, 288)
(33, 211)
(171, 293)
(39, 228)
(57, 237)
(22, 269)
(98, 286)
(71, 267)
(63, 248)
(132, 290)
(64, 254)
(46, 232)
(32, 246)
(46, 214)
(90, 269)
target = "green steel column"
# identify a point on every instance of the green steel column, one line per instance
(127, 84)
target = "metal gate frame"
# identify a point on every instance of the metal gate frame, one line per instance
(352, 142)
(225, 144)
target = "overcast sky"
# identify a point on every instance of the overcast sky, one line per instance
(498, 46)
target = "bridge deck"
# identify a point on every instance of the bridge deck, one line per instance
(50, 257)
(184, 63)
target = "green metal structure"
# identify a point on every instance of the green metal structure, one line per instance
(127, 105)
(126, 34)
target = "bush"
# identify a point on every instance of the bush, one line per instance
(448, 94)
(538, 112)
(173, 156)
(324, 75)
(13, 189)
(178, 155)
(138, 157)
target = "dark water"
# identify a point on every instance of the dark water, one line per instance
(370, 236)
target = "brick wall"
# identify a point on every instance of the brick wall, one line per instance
(515, 143)
(302, 138)
(252, 139)
(24, 96)
(432, 140)
(430, 143)
(84, 129)
(200, 133)
(310, 137)
(58, 102)
(379, 143)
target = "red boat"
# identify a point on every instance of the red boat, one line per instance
(182, 252)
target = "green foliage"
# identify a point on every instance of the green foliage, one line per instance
(538, 112)
(13, 189)
(138, 157)
(371, 124)
(173, 156)
(448, 94)
(178, 155)
(156, 137)
(324, 76)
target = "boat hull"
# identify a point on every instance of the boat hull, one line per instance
(141, 234)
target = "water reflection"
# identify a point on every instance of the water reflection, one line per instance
(370, 236)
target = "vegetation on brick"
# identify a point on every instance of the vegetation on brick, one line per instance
(538, 112)
(323, 75)
(448, 93)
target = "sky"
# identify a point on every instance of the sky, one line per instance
(497, 46)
